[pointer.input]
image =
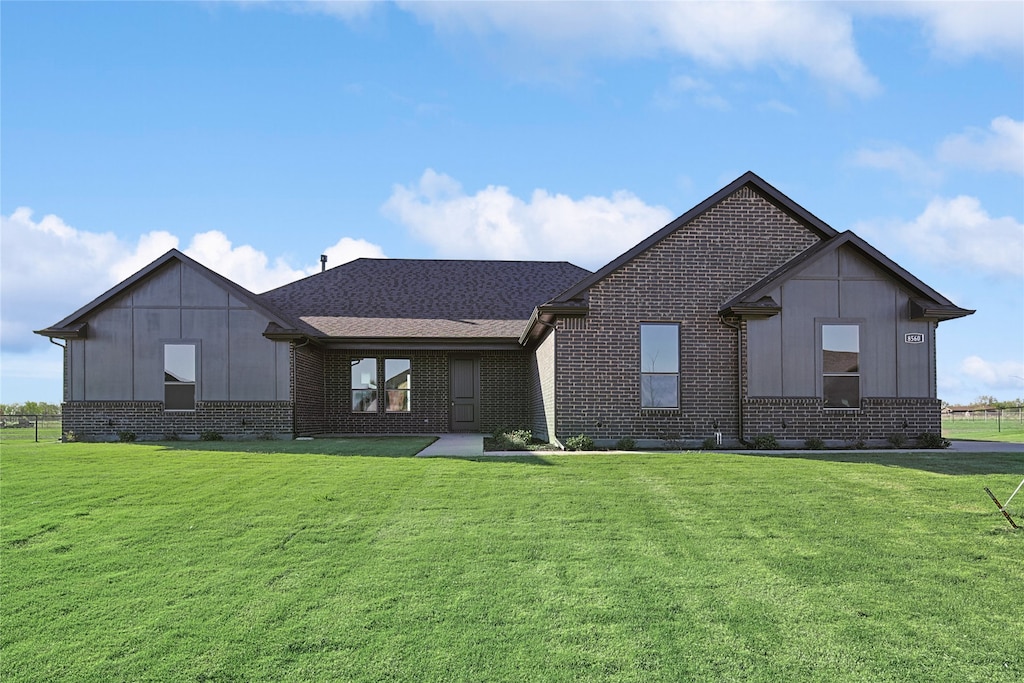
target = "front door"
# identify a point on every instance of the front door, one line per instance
(465, 388)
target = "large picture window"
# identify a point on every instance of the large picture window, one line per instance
(179, 376)
(840, 364)
(398, 384)
(659, 365)
(364, 385)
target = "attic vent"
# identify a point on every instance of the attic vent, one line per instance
(575, 323)
(323, 262)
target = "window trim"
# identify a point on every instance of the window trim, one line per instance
(820, 360)
(195, 384)
(678, 364)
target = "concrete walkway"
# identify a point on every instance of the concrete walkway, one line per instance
(455, 444)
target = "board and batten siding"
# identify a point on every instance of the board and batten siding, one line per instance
(783, 352)
(122, 358)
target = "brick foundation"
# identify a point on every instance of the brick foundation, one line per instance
(794, 420)
(103, 420)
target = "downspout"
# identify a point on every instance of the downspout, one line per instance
(67, 375)
(739, 375)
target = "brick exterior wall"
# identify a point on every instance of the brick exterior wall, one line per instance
(682, 279)
(504, 389)
(793, 420)
(307, 385)
(103, 420)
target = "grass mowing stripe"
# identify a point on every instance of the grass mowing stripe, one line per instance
(147, 563)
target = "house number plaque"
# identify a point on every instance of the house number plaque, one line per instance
(914, 337)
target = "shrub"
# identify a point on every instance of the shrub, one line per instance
(897, 440)
(579, 443)
(126, 437)
(765, 442)
(859, 443)
(71, 437)
(172, 436)
(930, 440)
(625, 444)
(211, 436)
(709, 444)
(814, 444)
(513, 439)
(265, 436)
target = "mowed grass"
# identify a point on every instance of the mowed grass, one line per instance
(169, 563)
(1009, 429)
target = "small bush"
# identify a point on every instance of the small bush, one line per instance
(265, 436)
(814, 444)
(897, 440)
(859, 443)
(513, 439)
(765, 442)
(71, 437)
(625, 444)
(579, 443)
(930, 440)
(172, 436)
(709, 444)
(126, 437)
(211, 436)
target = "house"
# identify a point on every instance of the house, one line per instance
(745, 316)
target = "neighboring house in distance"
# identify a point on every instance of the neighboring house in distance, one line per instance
(745, 316)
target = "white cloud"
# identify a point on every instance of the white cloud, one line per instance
(813, 37)
(899, 159)
(348, 249)
(960, 232)
(495, 224)
(993, 375)
(964, 29)
(50, 269)
(1000, 148)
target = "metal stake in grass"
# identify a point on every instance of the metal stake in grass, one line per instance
(1001, 508)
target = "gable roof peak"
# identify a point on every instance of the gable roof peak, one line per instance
(748, 179)
(73, 322)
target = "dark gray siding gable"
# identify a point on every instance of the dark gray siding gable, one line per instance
(783, 352)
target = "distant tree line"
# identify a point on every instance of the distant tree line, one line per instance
(29, 408)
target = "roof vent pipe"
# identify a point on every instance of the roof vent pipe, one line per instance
(323, 262)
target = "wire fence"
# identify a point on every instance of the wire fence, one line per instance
(986, 418)
(30, 428)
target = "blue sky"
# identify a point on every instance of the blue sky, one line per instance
(256, 136)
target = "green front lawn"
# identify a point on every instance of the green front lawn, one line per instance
(177, 562)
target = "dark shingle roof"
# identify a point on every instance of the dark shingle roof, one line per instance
(371, 298)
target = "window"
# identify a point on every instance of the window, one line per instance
(179, 376)
(364, 385)
(840, 365)
(398, 384)
(659, 366)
